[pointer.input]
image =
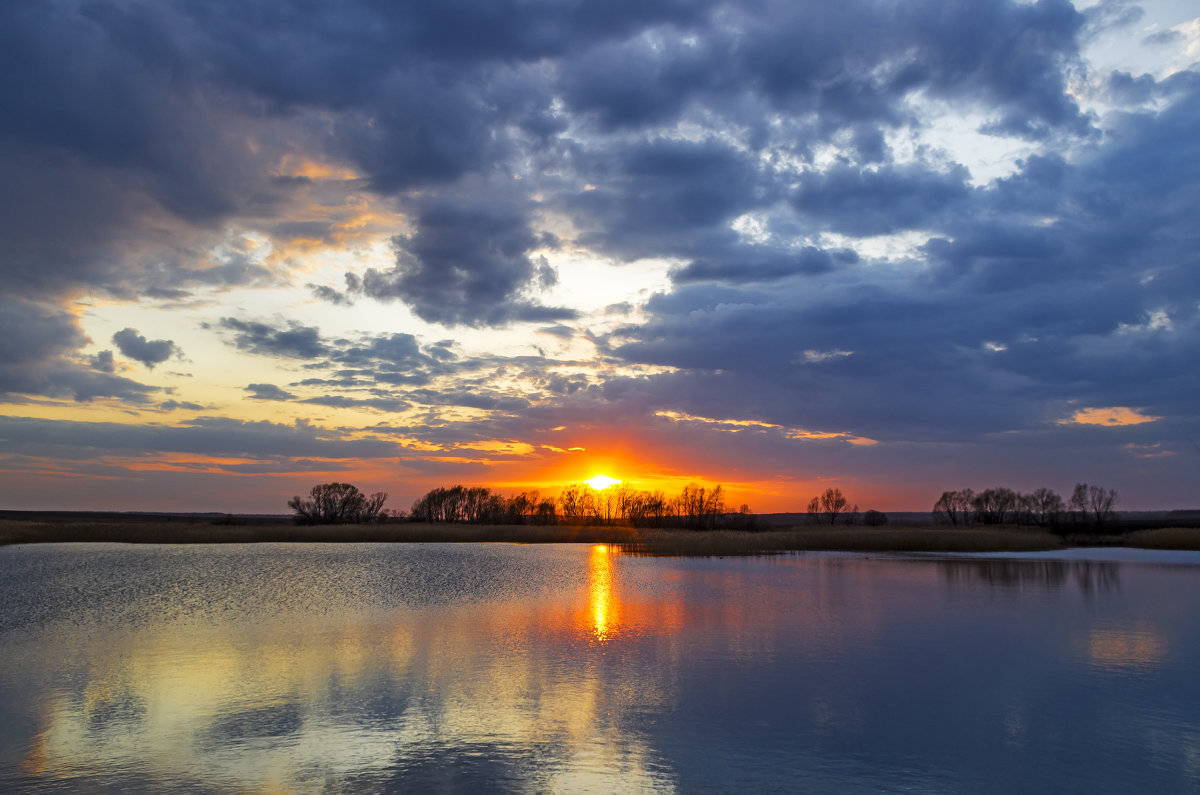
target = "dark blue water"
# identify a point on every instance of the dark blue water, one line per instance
(374, 668)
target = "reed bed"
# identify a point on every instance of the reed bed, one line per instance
(627, 539)
(1164, 538)
(180, 532)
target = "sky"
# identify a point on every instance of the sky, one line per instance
(889, 247)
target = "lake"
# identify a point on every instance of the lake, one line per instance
(490, 667)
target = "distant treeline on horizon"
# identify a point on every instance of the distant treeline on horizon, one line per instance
(696, 507)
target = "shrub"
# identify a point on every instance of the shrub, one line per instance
(874, 518)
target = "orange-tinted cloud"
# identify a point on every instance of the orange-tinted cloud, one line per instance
(1111, 416)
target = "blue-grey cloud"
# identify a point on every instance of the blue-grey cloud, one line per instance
(148, 352)
(1068, 281)
(757, 264)
(467, 265)
(291, 340)
(37, 343)
(267, 392)
(200, 436)
(879, 201)
(389, 404)
(172, 405)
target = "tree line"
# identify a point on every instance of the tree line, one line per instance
(696, 507)
(1088, 505)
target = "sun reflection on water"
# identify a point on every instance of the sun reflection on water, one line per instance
(602, 604)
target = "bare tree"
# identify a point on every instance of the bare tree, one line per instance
(575, 503)
(337, 503)
(546, 511)
(1045, 507)
(1100, 503)
(995, 506)
(1078, 503)
(954, 507)
(833, 502)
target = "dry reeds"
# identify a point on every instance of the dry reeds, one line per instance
(658, 542)
(1164, 538)
(180, 532)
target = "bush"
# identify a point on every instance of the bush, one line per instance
(874, 518)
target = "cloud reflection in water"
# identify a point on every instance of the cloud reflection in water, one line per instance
(431, 667)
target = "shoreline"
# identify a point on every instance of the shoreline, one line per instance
(846, 538)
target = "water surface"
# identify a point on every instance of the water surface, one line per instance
(367, 668)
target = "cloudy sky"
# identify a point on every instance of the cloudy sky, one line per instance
(896, 247)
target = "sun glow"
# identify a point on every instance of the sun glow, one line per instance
(601, 482)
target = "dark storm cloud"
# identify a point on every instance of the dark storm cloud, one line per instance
(637, 82)
(156, 102)
(148, 352)
(467, 265)
(764, 264)
(654, 197)
(879, 201)
(849, 62)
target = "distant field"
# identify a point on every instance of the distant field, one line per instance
(895, 538)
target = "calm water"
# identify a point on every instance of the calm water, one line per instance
(368, 668)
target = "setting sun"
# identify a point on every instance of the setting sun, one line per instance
(601, 482)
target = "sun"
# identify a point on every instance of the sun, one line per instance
(601, 482)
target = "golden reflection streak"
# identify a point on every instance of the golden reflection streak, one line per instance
(1138, 647)
(602, 604)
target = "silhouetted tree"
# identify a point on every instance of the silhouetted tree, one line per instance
(1044, 506)
(545, 512)
(954, 507)
(873, 518)
(698, 508)
(337, 503)
(833, 502)
(995, 506)
(814, 510)
(1100, 502)
(440, 505)
(1079, 503)
(575, 503)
